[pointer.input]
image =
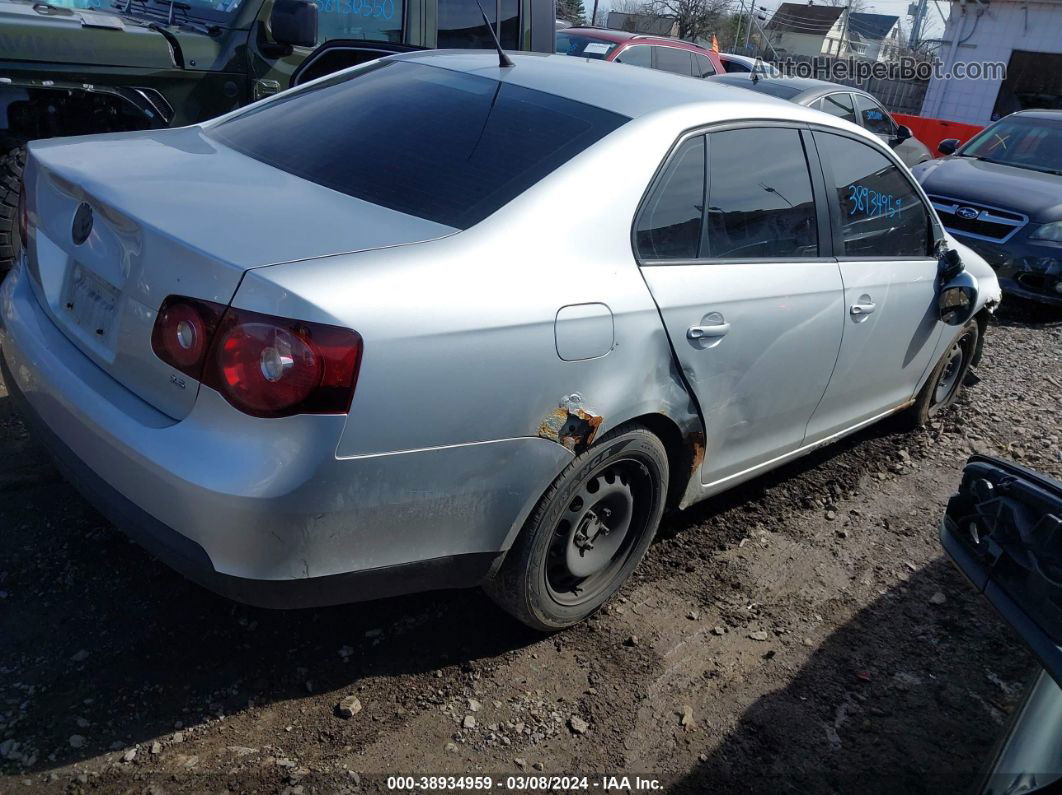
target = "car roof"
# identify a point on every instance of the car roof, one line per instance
(631, 91)
(621, 36)
(805, 87)
(1040, 113)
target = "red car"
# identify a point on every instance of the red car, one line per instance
(654, 52)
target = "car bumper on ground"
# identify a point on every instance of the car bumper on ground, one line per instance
(1026, 270)
(273, 519)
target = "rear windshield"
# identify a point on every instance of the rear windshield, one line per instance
(775, 89)
(442, 145)
(583, 46)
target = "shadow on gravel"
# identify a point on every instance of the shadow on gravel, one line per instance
(884, 704)
(102, 642)
(1019, 313)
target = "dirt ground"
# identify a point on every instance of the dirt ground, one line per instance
(806, 625)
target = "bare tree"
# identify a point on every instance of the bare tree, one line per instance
(695, 19)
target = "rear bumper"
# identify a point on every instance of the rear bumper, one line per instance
(263, 511)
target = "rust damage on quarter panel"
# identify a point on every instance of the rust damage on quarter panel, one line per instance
(571, 425)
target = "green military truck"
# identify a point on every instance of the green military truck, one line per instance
(73, 67)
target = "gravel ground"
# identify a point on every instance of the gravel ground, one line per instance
(801, 633)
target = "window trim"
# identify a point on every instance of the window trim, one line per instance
(936, 231)
(818, 192)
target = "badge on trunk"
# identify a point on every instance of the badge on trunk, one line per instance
(82, 227)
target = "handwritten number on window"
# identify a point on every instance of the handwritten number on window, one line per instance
(870, 203)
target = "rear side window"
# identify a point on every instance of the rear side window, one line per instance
(372, 20)
(702, 65)
(461, 25)
(874, 116)
(442, 145)
(839, 105)
(881, 213)
(736, 66)
(636, 56)
(672, 59)
(765, 211)
(669, 226)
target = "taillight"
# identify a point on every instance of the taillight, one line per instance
(265, 366)
(23, 217)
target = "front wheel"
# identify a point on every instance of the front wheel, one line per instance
(945, 382)
(587, 533)
(11, 165)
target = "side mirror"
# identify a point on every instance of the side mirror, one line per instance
(293, 23)
(903, 132)
(958, 298)
(951, 264)
(948, 146)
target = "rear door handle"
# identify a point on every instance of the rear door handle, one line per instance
(706, 332)
(866, 308)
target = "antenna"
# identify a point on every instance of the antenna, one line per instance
(503, 59)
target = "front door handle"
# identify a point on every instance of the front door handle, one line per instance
(863, 308)
(707, 332)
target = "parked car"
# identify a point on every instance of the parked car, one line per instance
(1001, 194)
(1002, 531)
(741, 64)
(844, 102)
(636, 49)
(72, 67)
(305, 377)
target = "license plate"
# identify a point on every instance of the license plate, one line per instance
(91, 302)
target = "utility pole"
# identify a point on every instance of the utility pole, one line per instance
(844, 28)
(916, 24)
(593, 16)
(748, 30)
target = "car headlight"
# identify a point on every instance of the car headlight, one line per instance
(1051, 231)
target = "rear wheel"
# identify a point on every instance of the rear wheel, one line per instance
(945, 382)
(11, 165)
(587, 533)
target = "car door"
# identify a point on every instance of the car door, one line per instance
(673, 59)
(752, 307)
(884, 239)
(876, 119)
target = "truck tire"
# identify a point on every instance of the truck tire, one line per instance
(11, 165)
(587, 533)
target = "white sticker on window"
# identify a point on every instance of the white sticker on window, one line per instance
(596, 48)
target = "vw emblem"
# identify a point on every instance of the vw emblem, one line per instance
(969, 213)
(82, 227)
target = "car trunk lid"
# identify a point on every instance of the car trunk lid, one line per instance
(121, 222)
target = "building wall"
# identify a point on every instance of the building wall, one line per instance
(1004, 27)
(797, 43)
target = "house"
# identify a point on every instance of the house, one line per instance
(879, 33)
(799, 29)
(1023, 35)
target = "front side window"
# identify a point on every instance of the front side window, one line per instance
(763, 211)
(839, 105)
(636, 56)
(442, 145)
(702, 65)
(874, 116)
(461, 25)
(669, 226)
(372, 20)
(882, 215)
(672, 59)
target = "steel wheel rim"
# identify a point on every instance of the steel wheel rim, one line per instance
(598, 532)
(949, 376)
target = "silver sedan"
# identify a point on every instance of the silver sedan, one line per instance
(438, 322)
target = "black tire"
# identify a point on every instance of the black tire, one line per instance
(613, 494)
(11, 165)
(945, 382)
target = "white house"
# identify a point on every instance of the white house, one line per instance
(1026, 35)
(800, 29)
(879, 33)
